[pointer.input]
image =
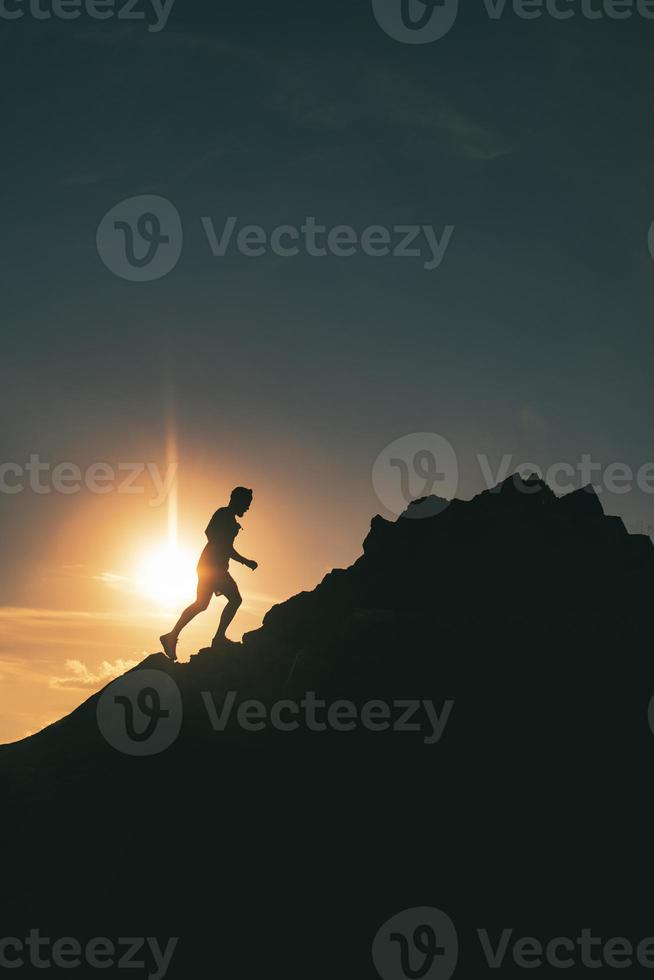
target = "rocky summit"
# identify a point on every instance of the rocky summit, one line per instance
(468, 702)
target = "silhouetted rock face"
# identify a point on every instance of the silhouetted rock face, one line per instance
(582, 503)
(517, 540)
(515, 552)
(529, 613)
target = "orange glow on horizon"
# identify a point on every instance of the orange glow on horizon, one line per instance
(107, 573)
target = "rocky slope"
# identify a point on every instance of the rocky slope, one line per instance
(285, 850)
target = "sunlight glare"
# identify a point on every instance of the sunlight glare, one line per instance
(168, 577)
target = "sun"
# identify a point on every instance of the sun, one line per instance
(168, 576)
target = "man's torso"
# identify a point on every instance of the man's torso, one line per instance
(221, 532)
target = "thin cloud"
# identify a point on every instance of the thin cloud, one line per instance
(114, 581)
(81, 677)
(408, 104)
(45, 616)
(307, 93)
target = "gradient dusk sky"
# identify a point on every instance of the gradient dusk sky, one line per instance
(533, 337)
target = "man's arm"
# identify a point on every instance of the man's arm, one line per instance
(244, 561)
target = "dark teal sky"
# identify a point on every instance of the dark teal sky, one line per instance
(534, 337)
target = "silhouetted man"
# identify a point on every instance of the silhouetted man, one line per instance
(213, 570)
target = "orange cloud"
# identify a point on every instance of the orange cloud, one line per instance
(81, 677)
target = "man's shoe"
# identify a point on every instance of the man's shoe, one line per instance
(169, 644)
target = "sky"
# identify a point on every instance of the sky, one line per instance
(524, 146)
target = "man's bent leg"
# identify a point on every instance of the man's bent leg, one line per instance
(169, 640)
(234, 600)
(200, 604)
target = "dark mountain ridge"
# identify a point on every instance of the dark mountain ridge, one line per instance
(529, 614)
(515, 550)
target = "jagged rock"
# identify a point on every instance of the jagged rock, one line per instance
(581, 503)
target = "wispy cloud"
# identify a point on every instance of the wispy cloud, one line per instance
(80, 676)
(114, 581)
(306, 93)
(406, 103)
(51, 659)
(44, 617)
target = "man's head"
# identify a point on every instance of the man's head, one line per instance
(240, 500)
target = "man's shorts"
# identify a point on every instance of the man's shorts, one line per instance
(217, 579)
